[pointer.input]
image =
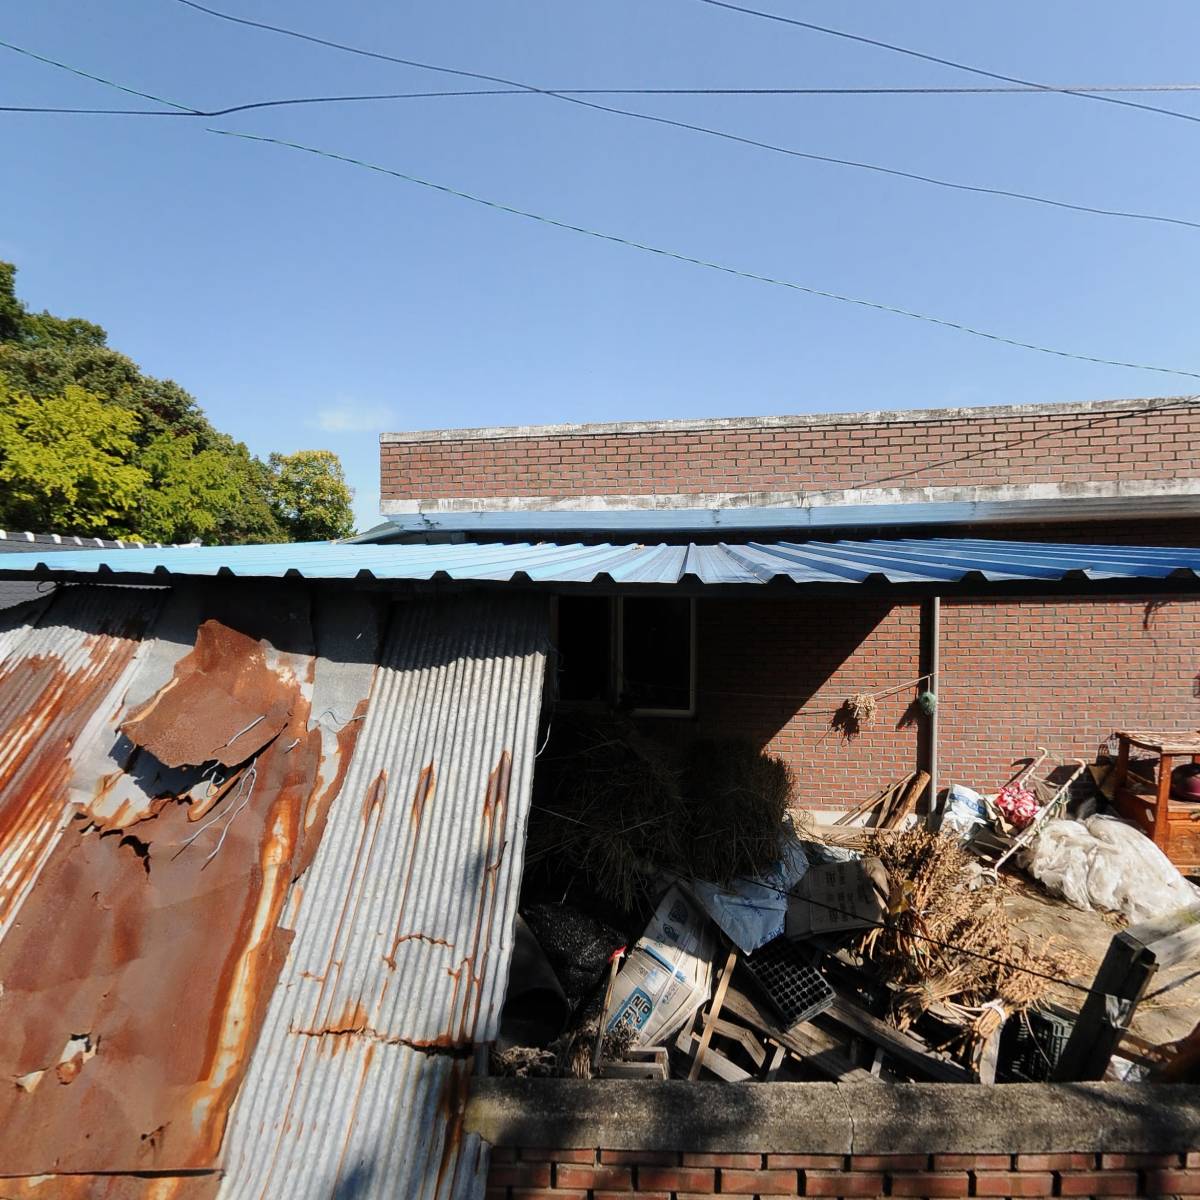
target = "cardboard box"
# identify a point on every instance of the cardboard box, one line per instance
(838, 897)
(667, 975)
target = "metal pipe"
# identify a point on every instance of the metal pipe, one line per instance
(931, 637)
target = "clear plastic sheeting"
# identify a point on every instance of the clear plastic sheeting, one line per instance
(1109, 864)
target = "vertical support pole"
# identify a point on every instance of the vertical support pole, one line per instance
(1120, 983)
(1132, 959)
(927, 741)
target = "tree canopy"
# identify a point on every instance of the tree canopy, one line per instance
(91, 445)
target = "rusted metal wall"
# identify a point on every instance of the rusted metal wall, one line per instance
(61, 665)
(153, 895)
(404, 925)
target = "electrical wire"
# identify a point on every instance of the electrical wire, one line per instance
(564, 91)
(525, 89)
(644, 247)
(700, 262)
(99, 79)
(576, 98)
(978, 954)
(933, 58)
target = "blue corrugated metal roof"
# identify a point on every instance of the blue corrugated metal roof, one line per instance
(930, 560)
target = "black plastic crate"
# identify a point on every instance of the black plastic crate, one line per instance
(788, 981)
(1031, 1045)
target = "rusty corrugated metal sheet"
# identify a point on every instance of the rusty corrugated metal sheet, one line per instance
(61, 663)
(404, 924)
(148, 942)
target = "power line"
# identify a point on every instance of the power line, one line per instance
(575, 98)
(699, 262)
(895, 172)
(98, 79)
(565, 91)
(524, 89)
(612, 238)
(933, 58)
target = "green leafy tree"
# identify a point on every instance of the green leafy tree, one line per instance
(188, 490)
(201, 482)
(310, 495)
(65, 464)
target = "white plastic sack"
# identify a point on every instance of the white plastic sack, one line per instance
(1107, 863)
(753, 911)
(963, 812)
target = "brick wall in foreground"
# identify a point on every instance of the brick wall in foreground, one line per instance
(982, 447)
(608, 1174)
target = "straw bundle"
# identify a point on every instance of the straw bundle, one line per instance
(618, 808)
(944, 943)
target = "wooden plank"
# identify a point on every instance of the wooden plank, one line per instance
(1119, 985)
(744, 1038)
(713, 1013)
(778, 1056)
(1170, 938)
(816, 1047)
(719, 1065)
(908, 800)
(887, 793)
(901, 1046)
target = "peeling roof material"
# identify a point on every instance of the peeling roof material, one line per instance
(153, 903)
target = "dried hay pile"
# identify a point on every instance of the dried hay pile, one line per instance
(945, 944)
(617, 807)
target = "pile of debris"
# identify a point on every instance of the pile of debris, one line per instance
(680, 920)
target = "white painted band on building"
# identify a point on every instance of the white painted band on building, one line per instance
(1157, 492)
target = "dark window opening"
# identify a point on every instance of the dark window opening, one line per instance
(584, 644)
(657, 643)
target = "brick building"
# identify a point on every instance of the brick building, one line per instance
(348, 951)
(1030, 667)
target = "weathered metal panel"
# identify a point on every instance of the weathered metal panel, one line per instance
(899, 561)
(136, 979)
(403, 928)
(60, 664)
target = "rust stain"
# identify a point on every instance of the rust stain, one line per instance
(171, 962)
(452, 1107)
(113, 1187)
(467, 995)
(422, 937)
(422, 793)
(372, 803)
(222, 703)
(316, 812)
(44, 709)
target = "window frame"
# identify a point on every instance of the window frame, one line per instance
(619, 665)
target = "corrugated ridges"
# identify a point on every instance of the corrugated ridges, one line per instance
(404, 925)
(900, 561)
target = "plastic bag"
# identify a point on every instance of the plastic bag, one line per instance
(1107, 863)
(1017, 804)
(963, 813)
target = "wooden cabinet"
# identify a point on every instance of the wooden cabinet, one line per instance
(1145, 798)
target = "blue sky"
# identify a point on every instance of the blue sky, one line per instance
(309, 303)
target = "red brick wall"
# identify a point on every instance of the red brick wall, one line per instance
(1063, 673)
(609, 1174)
(776, 671)
(978, 449)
